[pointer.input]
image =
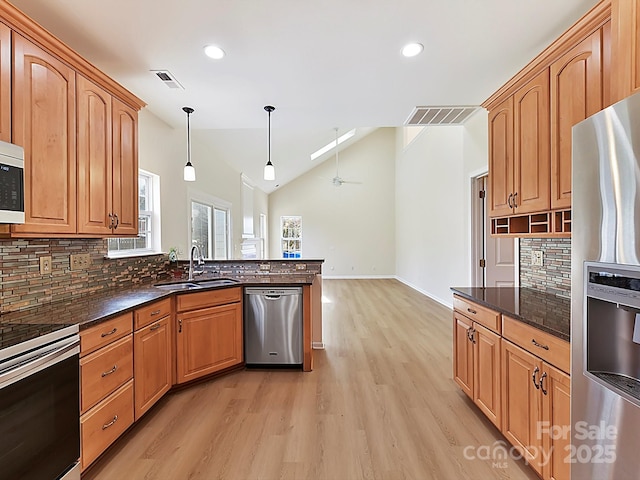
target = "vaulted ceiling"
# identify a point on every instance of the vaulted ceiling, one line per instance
(326, 64)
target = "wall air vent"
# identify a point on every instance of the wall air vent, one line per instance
(440, 115)
(167, 78)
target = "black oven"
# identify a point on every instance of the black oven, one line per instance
(40, 408)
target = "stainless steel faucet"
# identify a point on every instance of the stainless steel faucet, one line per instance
(195, 250)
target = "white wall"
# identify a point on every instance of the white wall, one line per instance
(351, 227)
(163, 151)
(433, 205)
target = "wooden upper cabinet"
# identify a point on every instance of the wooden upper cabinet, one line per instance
(5, 83)
(576, 93)
(125, 169)
(94, 158)
(625, 26)
(501, 158)
(44, 124)
(531, 145)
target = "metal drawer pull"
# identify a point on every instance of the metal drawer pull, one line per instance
(153, 314)
(180, 326)
(109, 333)
(533, 377)
(544, 375)
(154, 327)
(533, 340)
(104, 374)
(107, 425)
(470, 310)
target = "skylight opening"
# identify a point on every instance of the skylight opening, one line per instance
(332, 144)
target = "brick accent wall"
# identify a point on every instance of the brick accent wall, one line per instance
(22, 285)
(555, 274)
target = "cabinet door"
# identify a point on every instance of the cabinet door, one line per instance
(208, 340)
(556, 418)
(625, 18)
(125, 169)
(522, 402)
(531, 146)
(5, 83)
(44, 124)
(94, 158)
(152, 364)
(576, 93)
(463, 353)
(486, 368)
(501, 158)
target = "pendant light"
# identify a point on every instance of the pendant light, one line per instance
(189, 171)
(269, 169)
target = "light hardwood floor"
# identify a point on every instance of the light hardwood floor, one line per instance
(380, 404)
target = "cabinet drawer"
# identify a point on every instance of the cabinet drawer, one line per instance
(477, 313)
(100, 335)
(210, 298)
(151, 313)
(544, 345)
(104, 423)
(104, 371)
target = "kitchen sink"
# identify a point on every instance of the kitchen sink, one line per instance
(218, 282)
(177, 286)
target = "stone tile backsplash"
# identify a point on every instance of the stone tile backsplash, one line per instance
(554, 275)
(22, 285)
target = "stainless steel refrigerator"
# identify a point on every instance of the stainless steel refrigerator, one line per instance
(605, 295)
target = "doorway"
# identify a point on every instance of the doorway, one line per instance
(494, 259)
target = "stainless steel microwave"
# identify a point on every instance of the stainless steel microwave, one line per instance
(11, 183)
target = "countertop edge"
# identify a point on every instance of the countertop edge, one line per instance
(510, 314)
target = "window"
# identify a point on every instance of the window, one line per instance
(210, 230)
(148, 239)
(291, 236)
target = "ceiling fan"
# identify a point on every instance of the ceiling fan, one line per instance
(338, 180)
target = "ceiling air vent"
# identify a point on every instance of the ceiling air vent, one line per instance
(440, 115)
(168, 79)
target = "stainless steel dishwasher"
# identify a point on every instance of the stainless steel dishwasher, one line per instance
(273, 326)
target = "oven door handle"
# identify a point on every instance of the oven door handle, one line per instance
(39, 360)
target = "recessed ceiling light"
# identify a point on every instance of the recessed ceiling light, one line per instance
(412, 49)
(214, 52)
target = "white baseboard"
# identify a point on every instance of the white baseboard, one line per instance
(317, 345)
(448, 304)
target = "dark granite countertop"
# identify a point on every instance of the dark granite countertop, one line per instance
(545, 311)
(92, 308)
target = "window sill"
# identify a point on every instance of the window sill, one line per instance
(132, 254)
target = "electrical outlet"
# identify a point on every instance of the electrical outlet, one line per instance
(536, 258)
(301, 266)
(45, 265)
(79, 261)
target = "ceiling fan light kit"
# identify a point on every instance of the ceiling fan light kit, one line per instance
(189, 170)
(269, 169)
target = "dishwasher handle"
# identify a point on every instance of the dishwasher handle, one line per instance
(273, 297)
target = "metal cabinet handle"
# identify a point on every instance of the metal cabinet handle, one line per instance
(110, 221)
(155, 312)
(104, 374)
(106, 334)
(154, 327)
(544, 375)
(470, 334)
(509, 200)
(180, 326)
(107, 425)
(515, 202)
(470, 310)
(115, 215)
(533, 377)
(533, 340)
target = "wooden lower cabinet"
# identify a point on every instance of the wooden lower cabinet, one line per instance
(208, 340)
(104, 423)
(152, 364)
(536, 420)
(477, 365)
